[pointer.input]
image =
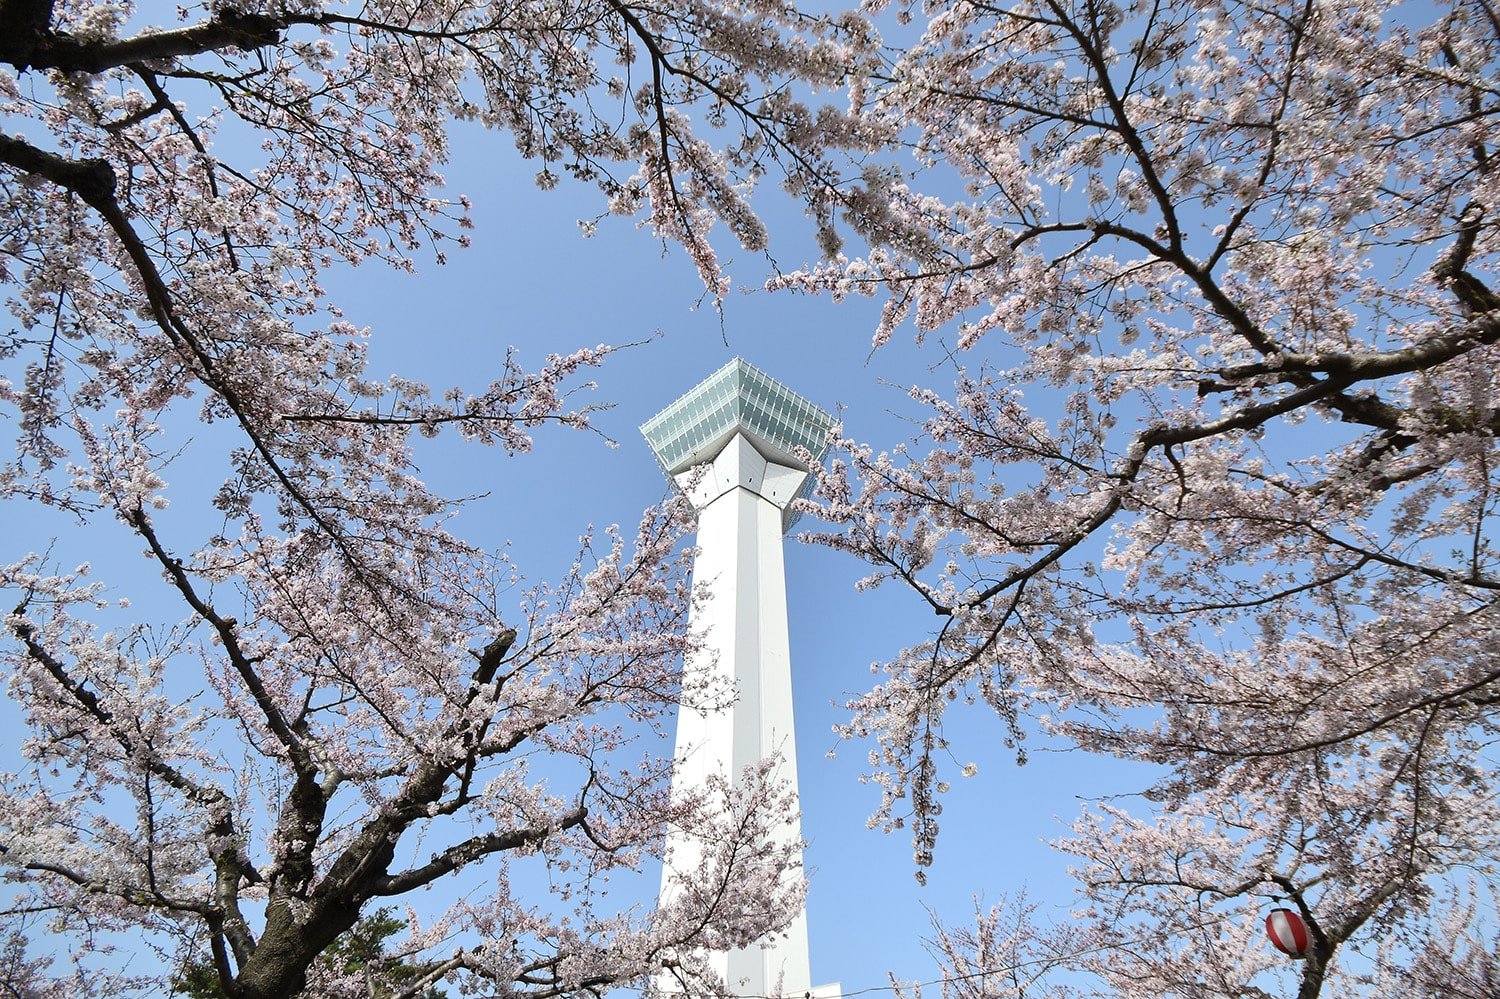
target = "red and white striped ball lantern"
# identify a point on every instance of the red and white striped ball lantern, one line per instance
(1288, 932)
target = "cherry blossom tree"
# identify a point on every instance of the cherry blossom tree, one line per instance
(1215, 487)
(356, 703)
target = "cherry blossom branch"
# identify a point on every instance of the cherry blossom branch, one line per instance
(1464, 579)
(226, 850)
(1246, 418)
(1276, 596)
(226, 629)
(659, 62)
(474, 848)
(165, 102)
(1092, 54)
(1273, 140)
(149, 897)
(94, 182)
(1457, 696)
(210, 798)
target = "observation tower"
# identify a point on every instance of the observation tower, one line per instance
(730, 445)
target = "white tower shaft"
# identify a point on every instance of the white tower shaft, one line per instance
(741, 499)
(739, 445)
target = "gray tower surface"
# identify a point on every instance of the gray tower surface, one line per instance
(740, 444)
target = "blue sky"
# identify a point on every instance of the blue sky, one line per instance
(532, 281)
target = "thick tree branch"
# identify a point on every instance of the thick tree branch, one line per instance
(472, 849)
(229, 29)
(23, 26)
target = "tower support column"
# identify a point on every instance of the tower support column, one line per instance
(743, 623)
(736, 445)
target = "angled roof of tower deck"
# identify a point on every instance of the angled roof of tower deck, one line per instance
(737, 398)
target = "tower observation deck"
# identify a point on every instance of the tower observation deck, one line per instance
(739, 444)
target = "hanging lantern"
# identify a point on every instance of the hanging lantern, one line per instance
(1288, 932)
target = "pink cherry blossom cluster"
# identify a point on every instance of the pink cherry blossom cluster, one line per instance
(356, 703)
(1213, 487)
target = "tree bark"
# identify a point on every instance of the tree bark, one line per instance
(278, 969)
(1313, 972)
(27, 40)
(23, 25)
